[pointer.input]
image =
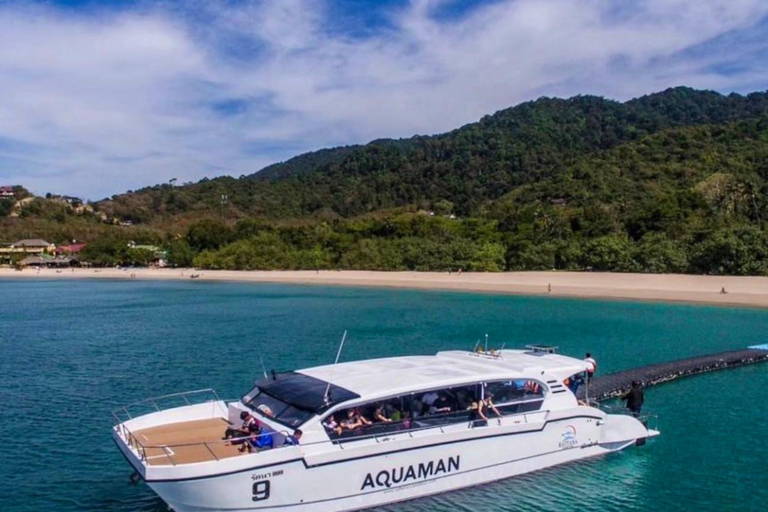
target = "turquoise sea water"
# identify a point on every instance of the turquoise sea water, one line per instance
(70, 351)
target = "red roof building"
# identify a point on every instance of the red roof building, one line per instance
(70, 249)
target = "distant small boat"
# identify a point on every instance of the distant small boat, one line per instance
(194, 276)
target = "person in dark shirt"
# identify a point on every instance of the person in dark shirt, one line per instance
(243, 431)
(634, 398)
(294, 439)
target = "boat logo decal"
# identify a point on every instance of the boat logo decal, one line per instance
(568, 438)
(403, 474)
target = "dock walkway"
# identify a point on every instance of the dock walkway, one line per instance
(616, 384)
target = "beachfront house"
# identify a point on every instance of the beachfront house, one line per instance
(33, 246)
(6, 191)
(27, 247)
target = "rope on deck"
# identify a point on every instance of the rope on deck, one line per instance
(616, 384)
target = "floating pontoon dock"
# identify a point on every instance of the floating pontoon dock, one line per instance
(616, 384)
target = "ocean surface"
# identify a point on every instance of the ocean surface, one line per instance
(71, 351)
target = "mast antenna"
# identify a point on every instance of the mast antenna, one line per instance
(263, 368)
(338, 355)
(486, 343)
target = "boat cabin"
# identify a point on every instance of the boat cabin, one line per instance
(361, 399)
(349, 403)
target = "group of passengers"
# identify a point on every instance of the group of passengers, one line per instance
(252, 435)
(429, 404)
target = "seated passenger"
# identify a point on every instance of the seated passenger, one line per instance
(333, 424)
(243, 430)
(258, 440)
(390, 410)
(440, 405)
(417, 409)
(365, 421)
(531, 387)
(266, 411)
(429, 398)
(379, 415)
(484, 405)
(294, 439)
(354, 420)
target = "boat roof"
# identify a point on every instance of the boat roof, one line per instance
(390, 376)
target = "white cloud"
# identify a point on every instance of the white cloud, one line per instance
(93, 104)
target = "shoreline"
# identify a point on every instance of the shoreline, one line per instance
(741, 291)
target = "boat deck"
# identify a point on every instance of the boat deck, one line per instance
(616, 384)
(186, 443)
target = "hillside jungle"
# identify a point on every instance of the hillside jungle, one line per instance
(671, 182)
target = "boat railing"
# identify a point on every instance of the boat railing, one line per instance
(170, 450)
(163, 402)
(649, 420)
(157, 404)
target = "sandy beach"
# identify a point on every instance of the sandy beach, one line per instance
(740, 291)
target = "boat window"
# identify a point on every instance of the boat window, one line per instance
(407, 412)
(276, 409)
(515, 396)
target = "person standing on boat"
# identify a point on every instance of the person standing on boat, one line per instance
(592, 366)
(485, 405)
(634, 398)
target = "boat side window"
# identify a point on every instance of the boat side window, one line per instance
(516, 396)
(414, 411)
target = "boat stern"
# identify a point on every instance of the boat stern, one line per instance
(619, 431)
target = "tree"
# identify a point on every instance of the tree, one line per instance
(180, 254)
(209, 234)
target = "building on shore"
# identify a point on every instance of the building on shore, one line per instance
(23, 248)
(73, 248)
(6, 192)
(44, 260)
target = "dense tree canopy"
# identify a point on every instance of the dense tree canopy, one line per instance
(672, 182)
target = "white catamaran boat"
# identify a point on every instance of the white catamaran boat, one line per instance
(374, 432)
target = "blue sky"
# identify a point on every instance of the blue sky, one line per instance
(101, 97)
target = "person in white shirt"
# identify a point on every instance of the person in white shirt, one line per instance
(592, 366)
(429, 398)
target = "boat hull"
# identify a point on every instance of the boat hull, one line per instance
(356, 476)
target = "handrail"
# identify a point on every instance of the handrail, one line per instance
(153, 400)
(238, 440)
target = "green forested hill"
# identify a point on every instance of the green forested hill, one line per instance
(675, 181)
(470, 166)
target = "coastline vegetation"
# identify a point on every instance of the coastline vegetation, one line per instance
(671, 182)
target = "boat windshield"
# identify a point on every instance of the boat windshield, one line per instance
(275, 409)
(292, 398)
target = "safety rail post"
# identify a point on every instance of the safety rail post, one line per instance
(167, 452)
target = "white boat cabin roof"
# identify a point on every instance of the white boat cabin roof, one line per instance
(390, 376)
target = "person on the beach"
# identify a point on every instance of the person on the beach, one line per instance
(592, 366)
(634, 398)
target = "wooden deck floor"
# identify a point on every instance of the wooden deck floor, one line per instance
(193, 434)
